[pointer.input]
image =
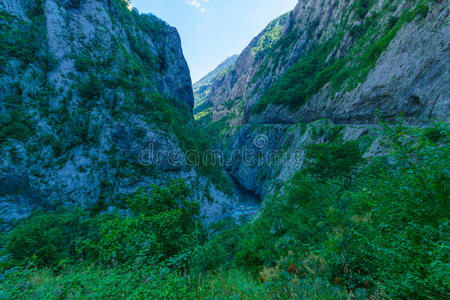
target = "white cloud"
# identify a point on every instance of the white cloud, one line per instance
(193, 3)
(197, 4)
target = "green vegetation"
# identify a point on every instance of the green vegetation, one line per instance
(202, 108)
(138, 282)
(203, 114)
(136, 25)
(22, 40)
(315, 70)
(362, 7)
(20, 47)
(15, 126)
(342, 227)
(332, 160)
(270, 37)
(301, 81)
(48, 238)
(202, 89)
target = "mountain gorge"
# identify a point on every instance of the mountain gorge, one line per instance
(314, 165)
(332, 65)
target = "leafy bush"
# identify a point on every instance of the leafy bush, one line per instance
(122, 240)
(172, 216)
(46, 238)
(296, 85)
(363, 7)
(89, 281)
(90, 89)
(405, 236)
(164, 226)
(331, 160)
(381, 233)
(219, 250)
(16, 127)
(83, 63)
(23, 40)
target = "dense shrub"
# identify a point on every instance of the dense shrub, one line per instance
(298, 83)
(172, 216)
(406, 207)
(90, 89)
(362, 7)
(47, 238)
(23, 40)
(16, 126)
(219, 250)
(163, 226)
(332, 160)
(380, 233)
(387, 225)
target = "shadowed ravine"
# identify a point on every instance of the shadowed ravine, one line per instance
(248, 205)
(312, 165)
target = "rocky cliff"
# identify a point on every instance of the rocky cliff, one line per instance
(202, 88)
(228, 90)
(95, 101)
(349, 62)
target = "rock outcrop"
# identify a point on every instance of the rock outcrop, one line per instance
(202, 88)
(410, 76)
(349, 62)
(231, 89)
(93, 101)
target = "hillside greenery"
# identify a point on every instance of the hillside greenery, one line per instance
(343, 227)
(119, 80)
(202, 89)
(269, 37)
(316, 69)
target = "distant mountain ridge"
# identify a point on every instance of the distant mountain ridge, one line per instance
(202, 88)
(226, 64)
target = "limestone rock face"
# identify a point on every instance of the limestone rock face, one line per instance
(89, 93)
(17, 7)
(410, 76)
(202, 88)
(233, 87)
(408, 42)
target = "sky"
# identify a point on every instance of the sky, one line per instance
(212, 30)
